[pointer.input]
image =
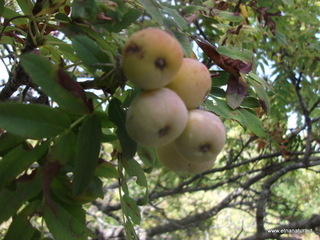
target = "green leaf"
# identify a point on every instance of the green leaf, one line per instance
(225, 15)
(184, 42)
(8, 141)
(44, 74)
(129, 229)
(1, 7)
(14, 199)
(256, 78)
(131, 209)
(251, 102)
(246, 118)
(87, 153)
(89, 52)
(235, 53)
(133, 168)
(67, 223)
(117, 116)
(26, 6)
(262, 94)
(84, 9)
(32, 121)
(21, 228)
(152, 8)
(8, 13)
(63, 149)
(18, 160)
(180, 21)
(107, 170)
(129, 17)
(249, 120)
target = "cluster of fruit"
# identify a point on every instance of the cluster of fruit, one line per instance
(165, 113)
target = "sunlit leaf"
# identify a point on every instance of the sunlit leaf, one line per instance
(65, 225)
(153, 9)
(235, 53)
(131, 209)
(89, 52)
(133, 168)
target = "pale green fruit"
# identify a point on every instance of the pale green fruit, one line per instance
(203, 138)
(192, 82)
(156, 117)
(170, 158)
(151, 58)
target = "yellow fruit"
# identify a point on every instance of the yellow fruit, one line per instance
(151, 58)
(156, 117)
(192, 83)
(203, 138)
(170, 158)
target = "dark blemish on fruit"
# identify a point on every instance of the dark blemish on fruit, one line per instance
(133, 48)
(204, 148)
(163, 131)
(160, 63)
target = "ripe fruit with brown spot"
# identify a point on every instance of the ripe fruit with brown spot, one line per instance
(151, 58)
(203, 138)
(156, 117)
(170, 158)
(192, 82)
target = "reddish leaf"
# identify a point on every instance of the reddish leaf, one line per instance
(51, 169)
(233, 66)
(266, 17)
(73, 87)
(236, 91)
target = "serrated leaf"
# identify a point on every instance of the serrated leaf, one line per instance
(44, 74)
(131, 209)
(89, 52)
(32, 121)
(180, 21)
(117, 116)
(262, 94)
(133, 168)
(18, 160)
(251, 102)
(235, 53)
(250, 121)
(153, 9)
(246, 118)
(87, 153)
(14, 199)
(66, 225)
(107, 170)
